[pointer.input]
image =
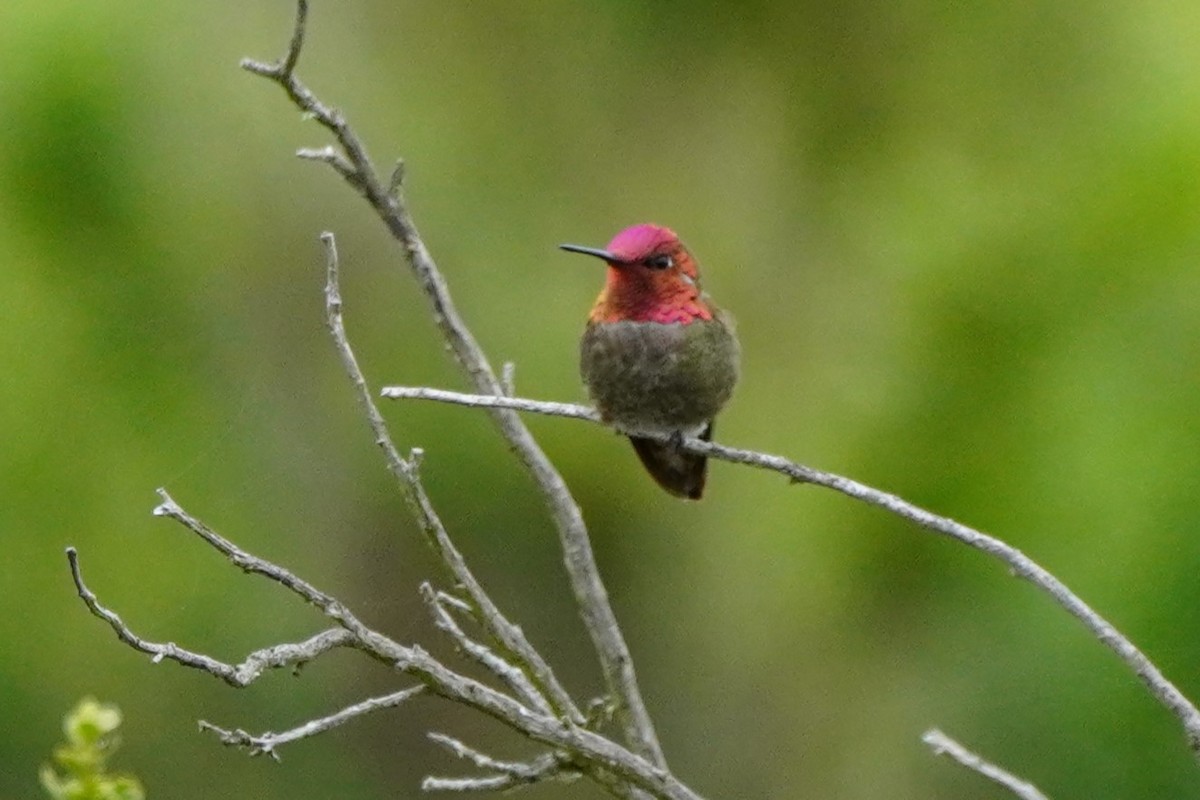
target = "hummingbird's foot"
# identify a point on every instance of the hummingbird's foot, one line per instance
(676, 441)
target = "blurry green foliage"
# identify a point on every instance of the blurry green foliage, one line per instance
(91, 731)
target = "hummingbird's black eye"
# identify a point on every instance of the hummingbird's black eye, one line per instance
(661, 261)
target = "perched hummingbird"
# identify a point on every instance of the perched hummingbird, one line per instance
(657, 356)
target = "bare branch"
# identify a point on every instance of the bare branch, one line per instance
(611, 765)
(508, 775)
(267, 743)
(513, 677)
(941, 744)
(295, 655)
(389, 204)
(245, 561)
(1020, 564)
(253, 564)
(455, 602)
(158, 651)
(507, 635)
(546, 407)
(487, 783)
(331, 157)
(237, 675)
(482, 760)
(355, 167)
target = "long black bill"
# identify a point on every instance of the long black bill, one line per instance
(592, 251)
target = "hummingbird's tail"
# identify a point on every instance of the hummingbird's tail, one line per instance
(681, 474)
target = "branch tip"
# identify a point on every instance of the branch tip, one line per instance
(168, 507)
(288, 64)
(458, 604)
(331, 254)
(941, 744)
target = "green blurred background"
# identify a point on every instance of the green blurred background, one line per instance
(962, 242)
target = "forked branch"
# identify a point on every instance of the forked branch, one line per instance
(610, 765)
(535, 704)
(351, 162)
(406, 470)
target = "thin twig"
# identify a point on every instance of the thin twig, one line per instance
(350, 167)
(941, 744)
(546, 407)
(486, 783)
(1020, 564)
(509, 774)
(389, 203)
(331, 157)
(238, 675)
(267, 743)
(457, 603)
(507, 635)
(328, 604)
(480, 759)
(513, 677)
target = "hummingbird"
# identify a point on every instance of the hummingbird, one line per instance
(657, 356)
